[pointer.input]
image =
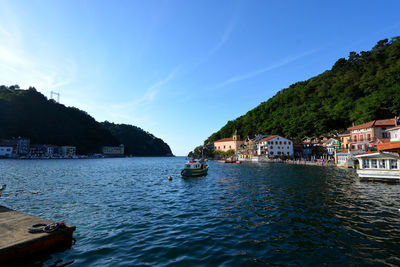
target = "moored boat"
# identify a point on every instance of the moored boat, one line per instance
(195, 168)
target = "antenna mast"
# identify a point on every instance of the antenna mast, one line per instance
(56, 94)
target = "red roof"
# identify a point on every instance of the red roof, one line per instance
(268, 138)
(380, 141)
(375, 123)
(395, 145)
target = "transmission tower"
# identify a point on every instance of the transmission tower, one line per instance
(56, 94)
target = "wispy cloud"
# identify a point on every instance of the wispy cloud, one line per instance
(149, 93)
(20, 65)
(258, 72)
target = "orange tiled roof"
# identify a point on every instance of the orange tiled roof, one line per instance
(375, 123)
(380, 141)
(268, 138)
(395, 145)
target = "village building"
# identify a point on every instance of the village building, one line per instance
(246, 149)
(230, 143)
(274, 146)
(394, 133)
(313, 148)
(344, 140)
(332, 145)
(113, 151)
(364, 135)
(68, 151)
(6, 151)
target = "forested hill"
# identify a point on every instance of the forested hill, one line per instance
(363, 87)
(144, 143)
(30, 114)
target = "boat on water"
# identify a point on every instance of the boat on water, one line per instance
(195, 168)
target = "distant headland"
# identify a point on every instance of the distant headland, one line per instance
(44, 122)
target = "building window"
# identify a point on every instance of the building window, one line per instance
(224, 147)
(276, 142)
(279, 152)
(288, 153)
(374, 163)
(361, 138)
(368, 137)
(355, 138)
(287, 147)
(393, 164)
(365, 163)
(229, 146)
(382, 164)
(284, 142)
(280, 142)
(271, 147)
(271, 153)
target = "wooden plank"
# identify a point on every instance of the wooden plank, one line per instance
(17, 244)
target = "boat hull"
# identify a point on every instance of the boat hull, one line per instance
(194, 172)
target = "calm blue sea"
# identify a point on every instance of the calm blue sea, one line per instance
(127, 213)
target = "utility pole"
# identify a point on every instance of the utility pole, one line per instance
(56, 94)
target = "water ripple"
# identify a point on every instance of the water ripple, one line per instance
(127, 213)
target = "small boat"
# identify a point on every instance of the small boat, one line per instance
(195, 168)
(2, 189)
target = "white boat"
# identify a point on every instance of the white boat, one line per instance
(194, 168)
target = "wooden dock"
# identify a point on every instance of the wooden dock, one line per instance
(18, 245)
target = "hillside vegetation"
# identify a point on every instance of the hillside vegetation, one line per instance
(28, 113)
(144, 143)
(363, 87)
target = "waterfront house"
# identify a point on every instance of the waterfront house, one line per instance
(5, 151)
(113, 151)
(331, 146)
(68, 151)
(394, 133)
(274, 146)
(20, 146)
(344, 140)
(246, 149)
(230, 143)
(363, 135)
(37, 150)
(52, 150)
(313, 148)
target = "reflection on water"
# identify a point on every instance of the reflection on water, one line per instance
(128, 213)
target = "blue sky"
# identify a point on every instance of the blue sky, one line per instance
(180, 69)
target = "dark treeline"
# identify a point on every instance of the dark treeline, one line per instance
(363, 87)
(144, 143)
(28, 113)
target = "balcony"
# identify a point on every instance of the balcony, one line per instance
(364, 141)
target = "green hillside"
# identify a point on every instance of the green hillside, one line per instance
(363, 87)
(144, 143)
(30, 114)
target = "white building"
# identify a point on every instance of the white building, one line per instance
(274, 146)
(378, 165)
(6, 151)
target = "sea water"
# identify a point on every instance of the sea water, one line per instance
(127, 213)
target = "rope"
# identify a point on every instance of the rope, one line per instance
(46, 228)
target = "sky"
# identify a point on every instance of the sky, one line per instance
(180, 69)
